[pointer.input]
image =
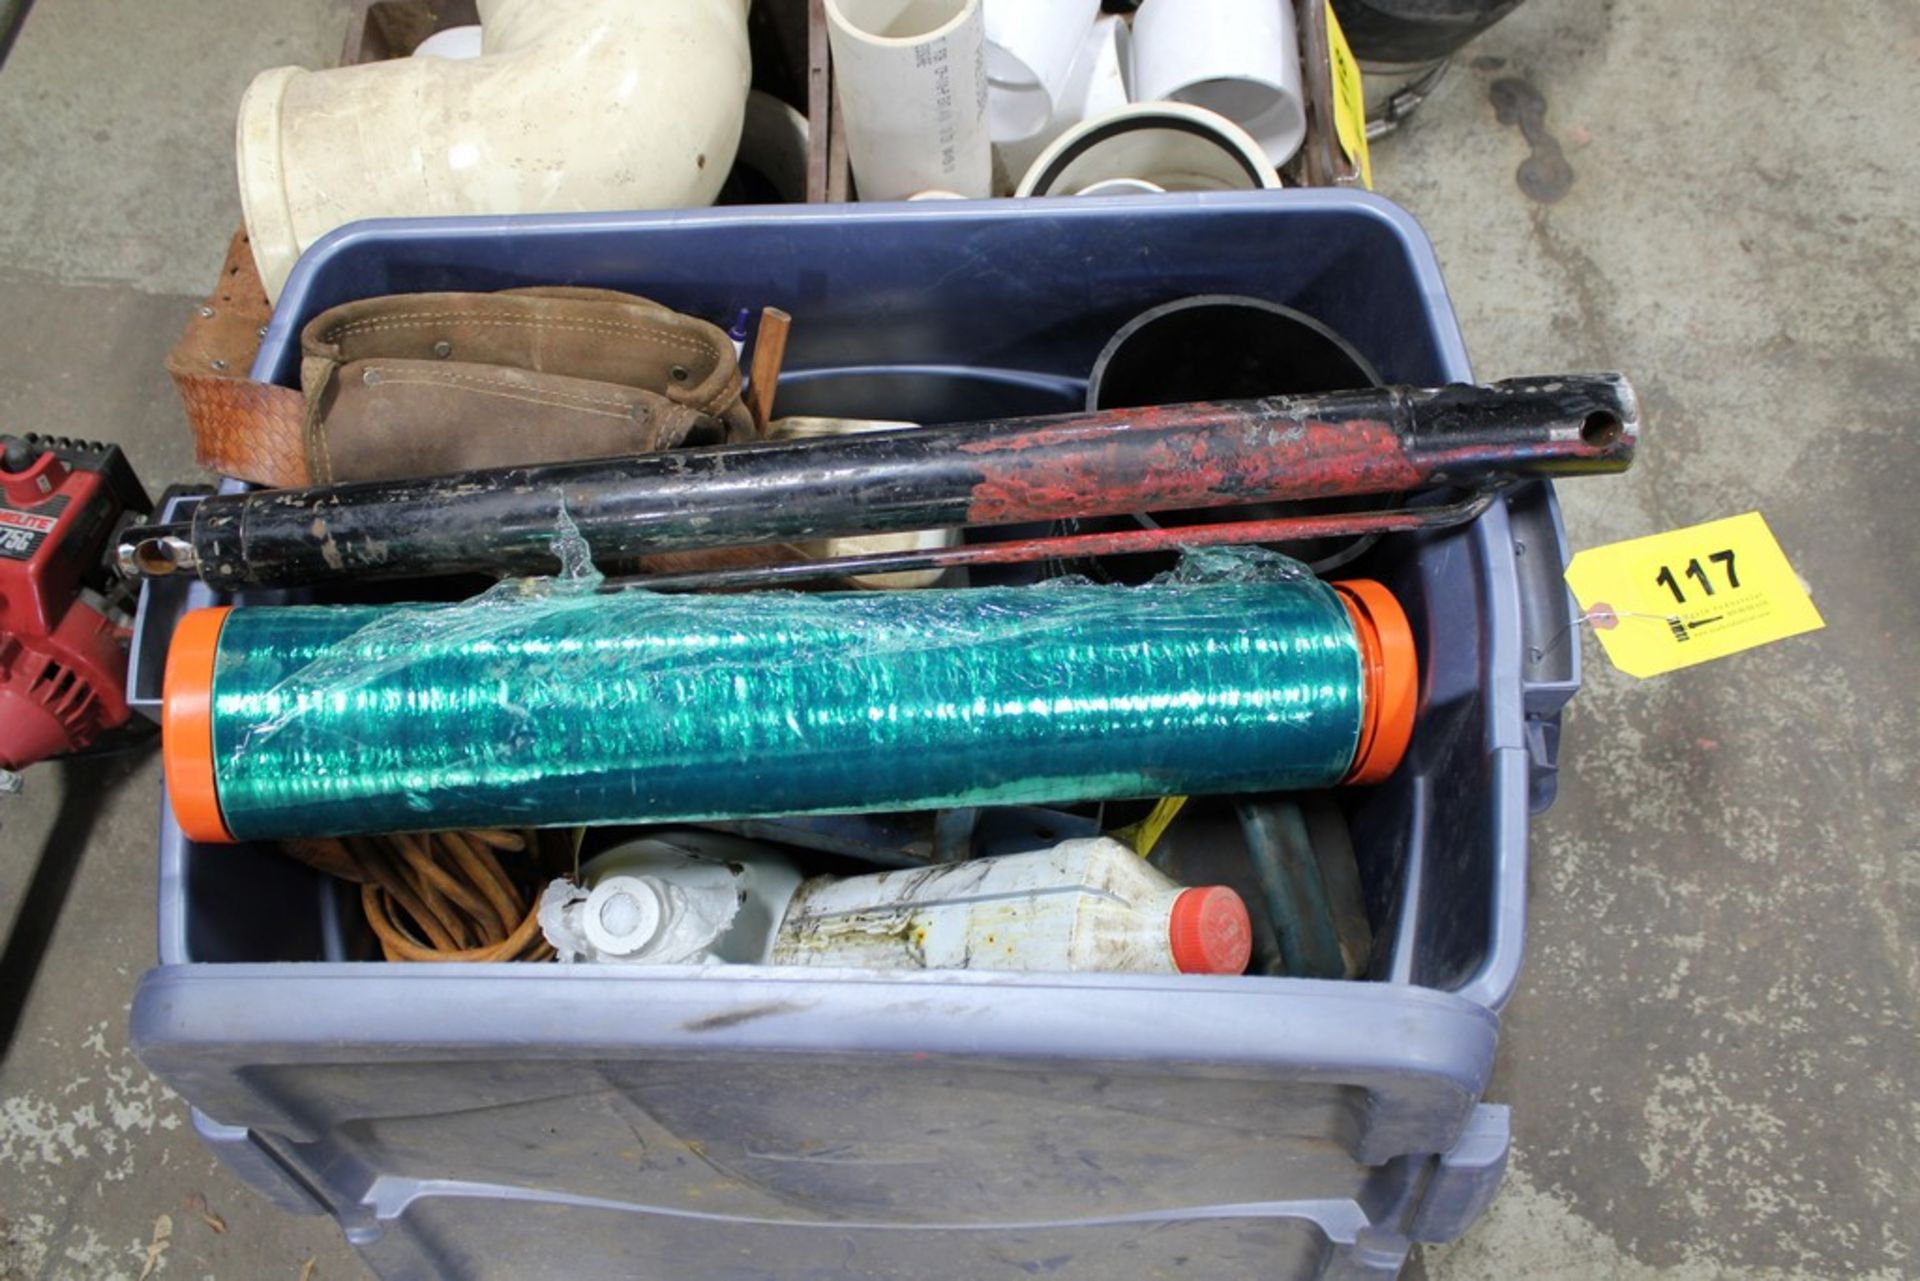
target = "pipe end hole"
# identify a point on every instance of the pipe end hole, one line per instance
(1602, 429)
(154, 558)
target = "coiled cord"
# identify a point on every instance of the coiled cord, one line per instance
(441, 896)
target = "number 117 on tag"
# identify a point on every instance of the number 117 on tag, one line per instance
(1672, 584)
(1675, 599)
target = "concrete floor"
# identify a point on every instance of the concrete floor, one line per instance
(1711, 1056)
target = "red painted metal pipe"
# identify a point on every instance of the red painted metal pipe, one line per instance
(1066, 547)
(1010, 471)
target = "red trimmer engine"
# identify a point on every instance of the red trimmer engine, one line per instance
(63, 643)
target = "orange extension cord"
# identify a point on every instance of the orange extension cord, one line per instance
(441, 896)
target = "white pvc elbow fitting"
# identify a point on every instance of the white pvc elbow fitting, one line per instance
(574, 106)
(1240, 58)
(1031, 51)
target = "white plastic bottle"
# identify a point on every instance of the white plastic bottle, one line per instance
(1083, 905)
(695, 897)
(680, 897)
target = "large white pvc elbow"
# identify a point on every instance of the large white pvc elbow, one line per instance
(574, 105)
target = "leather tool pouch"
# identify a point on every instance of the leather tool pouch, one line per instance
(429, 384)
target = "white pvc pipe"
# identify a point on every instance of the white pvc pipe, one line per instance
(451, 42)
(910, 77)
(1096, 85)
(1168, 146)
(575, 105)
(1031, 49)
(1122, 187)
(1240, 58)
(773, 144)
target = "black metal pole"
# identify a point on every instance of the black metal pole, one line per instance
(1011, 471)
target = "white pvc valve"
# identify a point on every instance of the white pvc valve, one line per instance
(910, 79)
(1240, 58)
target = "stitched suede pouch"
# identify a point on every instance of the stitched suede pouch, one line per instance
(428, 384)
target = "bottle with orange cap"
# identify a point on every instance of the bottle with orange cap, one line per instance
(1082, 905)
(697, 897)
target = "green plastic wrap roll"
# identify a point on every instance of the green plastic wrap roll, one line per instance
(551, 705)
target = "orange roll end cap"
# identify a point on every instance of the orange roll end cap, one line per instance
(186, 726)
(1392, 673)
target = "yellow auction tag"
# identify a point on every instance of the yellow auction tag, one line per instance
(1675, 599)
(1349, 100)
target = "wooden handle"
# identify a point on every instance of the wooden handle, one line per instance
(769, 353)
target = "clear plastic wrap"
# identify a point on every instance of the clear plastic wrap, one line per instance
(551, 702)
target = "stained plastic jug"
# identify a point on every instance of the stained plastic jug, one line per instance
(685, 896)
(1082, 905)
(696, 897)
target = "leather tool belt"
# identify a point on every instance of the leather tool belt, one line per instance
(429, 384)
